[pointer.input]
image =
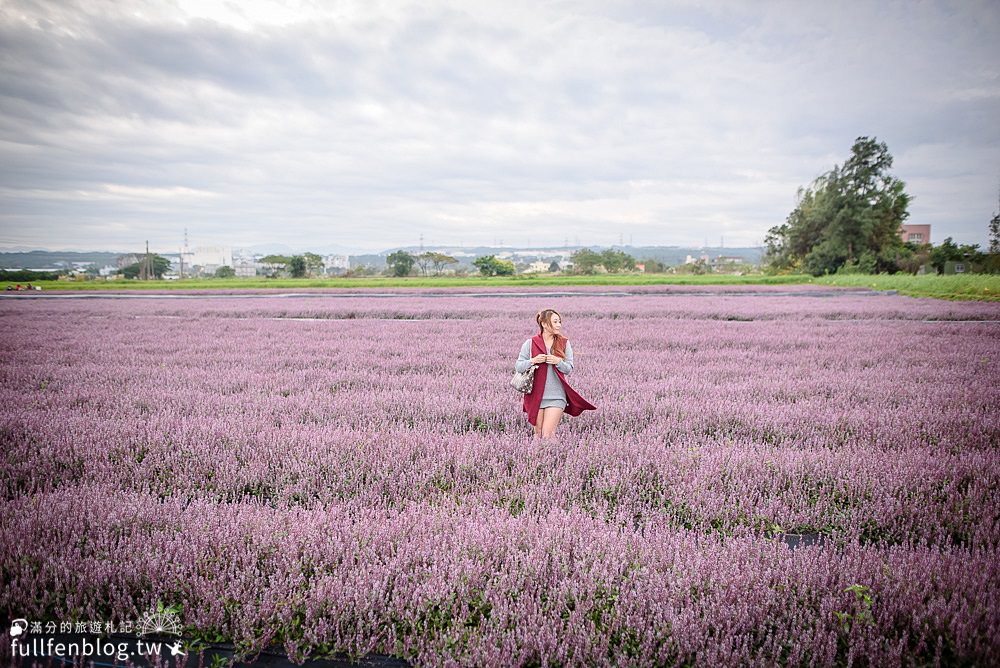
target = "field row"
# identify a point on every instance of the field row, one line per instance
(360, 484)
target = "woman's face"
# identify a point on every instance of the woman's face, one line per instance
(555, 324)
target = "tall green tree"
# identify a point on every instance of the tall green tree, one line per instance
(441, 260)
(161, 265)
(616, 260)
(992, 261)
(424, 261)
(400, 262)
(653, 266)
(995, 235)
(297, 266)
(852, 214)
(491, 265)
(585, 261)
(314, 263)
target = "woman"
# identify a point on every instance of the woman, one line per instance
(551, 395)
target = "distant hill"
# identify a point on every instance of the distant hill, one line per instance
(50, 259)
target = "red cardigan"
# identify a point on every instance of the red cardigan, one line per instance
(575, 404)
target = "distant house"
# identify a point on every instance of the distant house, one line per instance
(537, 267)
(336, 263)
(206, 259)
(918, 234)
(243, 263)
(962, 267)
(690, 259)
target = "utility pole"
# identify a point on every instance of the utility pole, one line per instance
(146, 267)
(184, 251)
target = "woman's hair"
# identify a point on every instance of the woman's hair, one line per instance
(559, 343)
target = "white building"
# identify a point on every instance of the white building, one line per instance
(537, 267)
(244, 264)
(336, 262)
(207, 259)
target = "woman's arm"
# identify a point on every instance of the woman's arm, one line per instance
(523, 362)
(567, 364)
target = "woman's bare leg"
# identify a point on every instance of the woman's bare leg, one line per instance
(550, 421)
(538, 425)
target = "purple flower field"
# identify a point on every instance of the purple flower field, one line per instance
(354, 475)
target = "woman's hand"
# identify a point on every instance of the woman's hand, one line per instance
(552, 359)
(539, 359)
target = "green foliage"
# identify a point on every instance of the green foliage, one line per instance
(949, 251)
(440, 261)
(585, 261)
(994, 247)
(490, 265)
(160, 266)
(400, 262)
(845, 213)
(615, 261)
(225, 272)
(424, 262)
(314, 263)
(957, 286)
(654, 266)
(863, 265)
(433, 259)
(283, 260)
(911, 257)
(863, 609)
(297, 266)
(553, 267)
(27, 275)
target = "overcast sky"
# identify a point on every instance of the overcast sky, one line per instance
(364, 125)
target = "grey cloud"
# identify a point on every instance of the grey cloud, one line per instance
(429, 114)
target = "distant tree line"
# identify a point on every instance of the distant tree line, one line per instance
(401, 263)
(297, 266)
(27, 275)
(582, 262)
(586, 261)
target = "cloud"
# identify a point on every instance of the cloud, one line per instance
(369, 124)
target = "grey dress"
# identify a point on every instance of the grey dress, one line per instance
(554, 395)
